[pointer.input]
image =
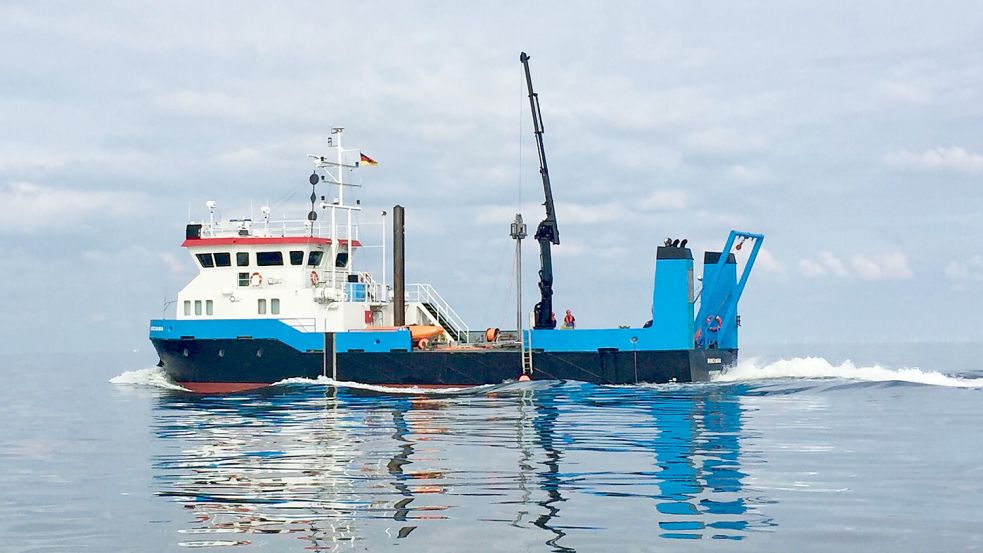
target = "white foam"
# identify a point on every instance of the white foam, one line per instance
(325, 381)
(154, 377)
(817, 367)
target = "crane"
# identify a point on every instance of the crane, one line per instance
(547, 233)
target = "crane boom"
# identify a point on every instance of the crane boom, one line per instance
(547, 232)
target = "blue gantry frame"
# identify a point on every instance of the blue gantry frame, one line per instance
(720, 295)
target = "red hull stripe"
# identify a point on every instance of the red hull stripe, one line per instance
(205, 242)
(221, 387)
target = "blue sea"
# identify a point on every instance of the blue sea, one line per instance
(799, 448)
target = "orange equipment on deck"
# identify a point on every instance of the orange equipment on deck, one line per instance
(418, 333)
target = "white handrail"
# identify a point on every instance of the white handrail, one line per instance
(425, 293)
(277, 228)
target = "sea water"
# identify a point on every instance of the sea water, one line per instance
(796, 449)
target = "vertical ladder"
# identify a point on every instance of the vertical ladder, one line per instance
(526, 346)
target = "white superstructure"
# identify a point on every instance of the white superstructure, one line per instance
(300, 271)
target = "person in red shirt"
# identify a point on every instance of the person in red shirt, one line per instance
(569, 321)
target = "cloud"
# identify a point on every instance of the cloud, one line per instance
(748, 175)
(812, 268)
(569, 249)
(207, 104)
(833, 264)
(242, 155)
(718, 141)
(31, 207)
(905, 91)
(567, 213)
(769, 263)
(884, 266)
(720, 218)
(879, 266)
(175, 266)
(939, 158)
(964, 271)
(664, 200)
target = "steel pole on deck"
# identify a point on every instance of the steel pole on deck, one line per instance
(518, 232)
(399, 268)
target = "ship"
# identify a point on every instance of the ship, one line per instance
(280, 298)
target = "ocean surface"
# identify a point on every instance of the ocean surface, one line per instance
(799, 448)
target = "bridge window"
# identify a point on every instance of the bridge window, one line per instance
(296, 258)
(275, 306)
(242, 259)
(314, 259)
(198, 307)
(222, 259)
(187, 308)
(209, 308)
(342, 260)
(243, 279)
(205, 259)
(267, 259)
(261, 307)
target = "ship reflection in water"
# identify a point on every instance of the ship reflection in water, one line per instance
(540, 466)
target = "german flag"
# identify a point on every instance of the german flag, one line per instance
(366, 160)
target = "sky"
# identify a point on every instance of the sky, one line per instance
(848, 133)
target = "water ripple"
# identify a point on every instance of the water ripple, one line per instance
(322, 467)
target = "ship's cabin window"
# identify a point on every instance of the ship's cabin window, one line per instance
(222, 259)
(187, 308)
(296, 258)
(261, 306)
(242, 259)
(209, 307)
(275, 306)
(342, 260)
(197, 307)
(243, 279)
(267, 259)
(205, 259)
(314, 259)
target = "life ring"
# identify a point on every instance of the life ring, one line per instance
(719, 323)
(314, 278)
(423, 343)
(255, 279)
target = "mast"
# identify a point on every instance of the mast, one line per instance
(547, 232)
(336, 170)
(334, 211)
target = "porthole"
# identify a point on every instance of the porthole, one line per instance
(259, 352)
(185, 352)
(221, 353)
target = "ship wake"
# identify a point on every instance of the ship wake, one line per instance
(820, 368)
(154, 377)
(324, 381)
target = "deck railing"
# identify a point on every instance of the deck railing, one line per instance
(425, 293)
(278, 228)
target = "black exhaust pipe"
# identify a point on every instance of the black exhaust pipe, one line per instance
(399, 268)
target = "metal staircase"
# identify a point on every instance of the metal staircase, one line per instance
(440, 310)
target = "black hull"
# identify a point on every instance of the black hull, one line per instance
(260, 361)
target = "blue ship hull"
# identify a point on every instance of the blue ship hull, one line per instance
(228, 354)
(216, 365)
